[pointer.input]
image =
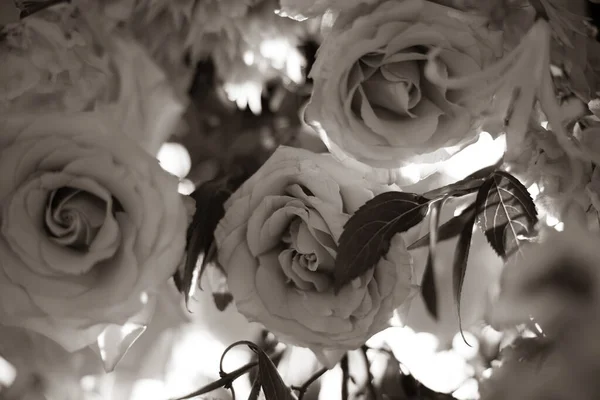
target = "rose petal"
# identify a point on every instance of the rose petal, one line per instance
(327, 225)
(355, 196)
(392, 97)
(117, 275)
(403, 132)
(286, 259)
(25, 234)
(72, 339)
(317, 280)
(268, 223)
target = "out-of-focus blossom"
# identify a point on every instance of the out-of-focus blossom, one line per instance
(60, 59)
(44, 369)
(161, 26)
(555, 283)
(53, 60)
(543, 162)
(539, 369)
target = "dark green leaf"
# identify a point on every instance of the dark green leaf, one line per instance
(465, 186)
(507, 212)
(461, 256)
(448, 230)
(272, 385)
(255, 390)
(428, 289)
(367, 235)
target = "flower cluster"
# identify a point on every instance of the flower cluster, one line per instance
(315, 248)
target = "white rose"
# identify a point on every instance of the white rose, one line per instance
(278, 241)
(89, 223)
(371, 96)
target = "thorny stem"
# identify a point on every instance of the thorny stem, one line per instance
(304, 388)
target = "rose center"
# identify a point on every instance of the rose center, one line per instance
(73, 217)
(306, 264)
(393, 89)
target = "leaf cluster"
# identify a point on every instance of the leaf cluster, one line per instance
(503, 210)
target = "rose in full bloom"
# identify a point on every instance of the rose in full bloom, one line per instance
(89, 226)
(278, 241)
(371, 95)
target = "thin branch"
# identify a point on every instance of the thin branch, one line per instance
(373, 395)
(304, 388)
(225, 381)
(345, 377)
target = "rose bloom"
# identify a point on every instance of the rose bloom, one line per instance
(278, 241)
(89, 226)
(371, 96)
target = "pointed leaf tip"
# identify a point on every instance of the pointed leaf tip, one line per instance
(428, 287)
(459, 267)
